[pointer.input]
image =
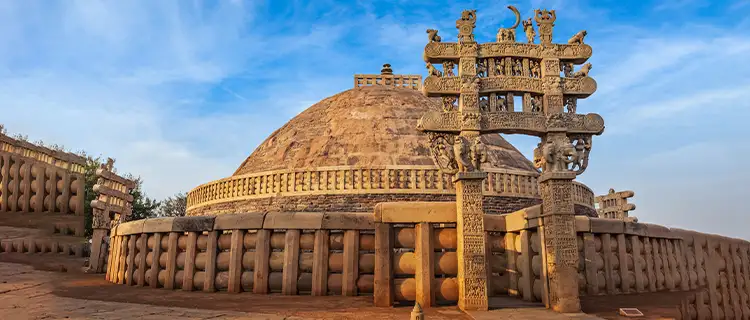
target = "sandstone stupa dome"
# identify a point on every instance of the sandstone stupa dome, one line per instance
(358, 148)
(366, 126)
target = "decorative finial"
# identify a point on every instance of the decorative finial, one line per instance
(386, 69)
(416, 313)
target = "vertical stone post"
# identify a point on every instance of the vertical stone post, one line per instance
(560, 244)
(472, 270)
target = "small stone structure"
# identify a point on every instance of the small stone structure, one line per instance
(41, 199)
(387, 78)
(614, 205)
(113, 205)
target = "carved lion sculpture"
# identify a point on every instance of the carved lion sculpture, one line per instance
(433, 36)
(469, 15)
(578, 38)
(583, 72)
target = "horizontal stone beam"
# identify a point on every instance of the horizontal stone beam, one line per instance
(102, 189)
(437, 52)
(415, 212)
(578, 87)
(112, 176)
(535, 124)
(111, 207)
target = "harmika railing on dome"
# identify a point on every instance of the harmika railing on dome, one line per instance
(354, 180)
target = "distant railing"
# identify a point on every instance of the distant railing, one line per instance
(374, 180)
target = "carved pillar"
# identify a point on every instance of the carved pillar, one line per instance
(551, 85)
(560, 245)
(472, 270)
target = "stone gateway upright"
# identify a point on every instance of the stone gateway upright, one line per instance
(479, 99)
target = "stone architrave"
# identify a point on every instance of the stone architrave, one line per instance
(562, 155)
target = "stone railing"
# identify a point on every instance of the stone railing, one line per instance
(292, 253)
(41, 198)
(400, 254)
(38, 179)
(353, 180)
(398, 80)
(64, 160)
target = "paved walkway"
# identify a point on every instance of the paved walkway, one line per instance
(27, 293)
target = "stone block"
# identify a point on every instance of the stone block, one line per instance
(494, 222)
(293, 220)
(157, 225)
(603, 225)
(657, 231)
(583, 224)
(193, 224)
(132, 227)
(523, 219)
(348, 221)
(250, 220)
(415, 212)
(634, 228)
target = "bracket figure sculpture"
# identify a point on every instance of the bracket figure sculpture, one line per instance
(113, 205)
(489, 75)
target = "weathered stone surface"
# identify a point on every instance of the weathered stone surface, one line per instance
(368, 126)
(193, 224)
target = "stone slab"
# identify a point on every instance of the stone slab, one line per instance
(158, 225)
(415, 212)
(348, 221)
(250, 220)
(132, 227)
(603, 225)
(293, 220)
(193, 224)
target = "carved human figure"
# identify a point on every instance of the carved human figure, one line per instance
(448, 69)
(478, 153)
(567, 68)
(484, 104)
(578, 37)
(482, 68)
(461, 153)
(433, 36)
(502, 106)
(581, 159)
(528, 29)
(571, 104)
(449, 103)
(517, 67)
(442, 153)
(432, 71)
(499, 66)
(583, 72)
(536, 105)
(536, 69)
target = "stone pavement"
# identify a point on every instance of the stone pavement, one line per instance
(26, 293)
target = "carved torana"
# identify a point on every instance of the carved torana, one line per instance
(615, 205)
(489, 77)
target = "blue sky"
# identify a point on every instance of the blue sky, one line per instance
(180, 92)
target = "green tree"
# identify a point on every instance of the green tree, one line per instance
(143, 206)
(174, 206)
